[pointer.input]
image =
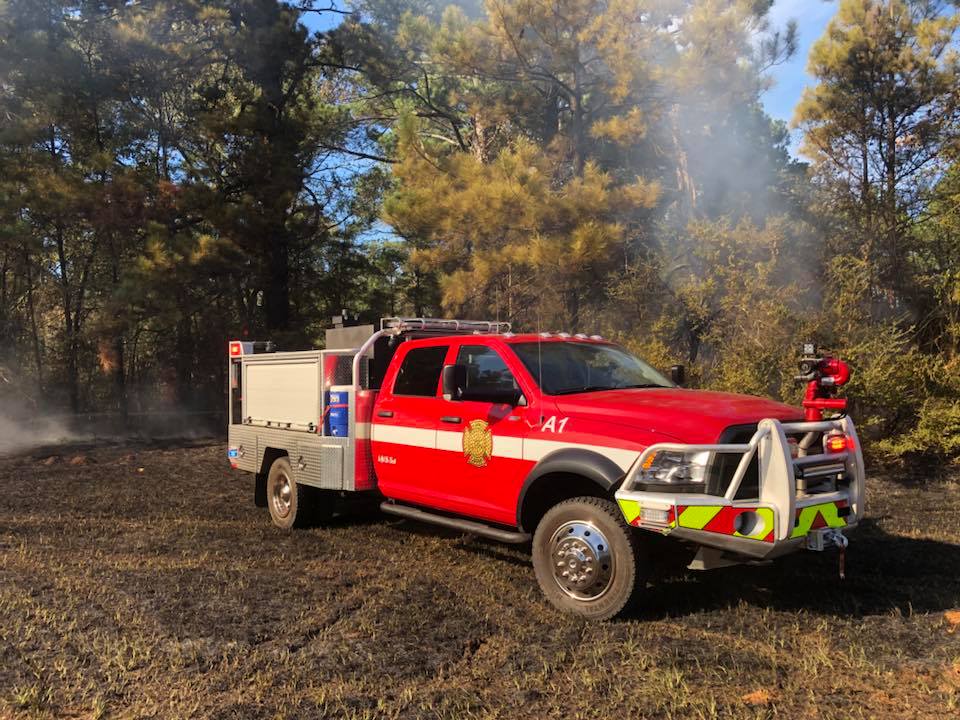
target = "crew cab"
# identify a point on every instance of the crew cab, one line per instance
(566, 442)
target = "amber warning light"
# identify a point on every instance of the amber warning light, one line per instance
(839, 443)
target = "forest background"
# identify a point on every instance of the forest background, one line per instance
(174, 174)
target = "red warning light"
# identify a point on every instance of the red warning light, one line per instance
(236, 349)
(836, 443)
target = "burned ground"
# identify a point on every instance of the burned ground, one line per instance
(142, 582)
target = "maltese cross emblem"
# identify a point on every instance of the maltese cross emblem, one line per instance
(477, 443)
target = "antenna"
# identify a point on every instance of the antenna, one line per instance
(539, 370)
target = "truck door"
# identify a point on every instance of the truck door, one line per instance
(480, 438)
(404, 423)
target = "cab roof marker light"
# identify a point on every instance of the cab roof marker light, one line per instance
(596, 337)
(580, 336)
(563, 334)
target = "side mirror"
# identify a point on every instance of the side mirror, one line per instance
(678, 374)
(453, 379)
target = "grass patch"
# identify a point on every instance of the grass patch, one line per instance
(143, 582)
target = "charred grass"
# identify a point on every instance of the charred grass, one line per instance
(142, 582)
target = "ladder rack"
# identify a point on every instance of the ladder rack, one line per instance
(443, 325)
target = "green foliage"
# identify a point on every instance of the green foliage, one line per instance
(937, 431)
(167, 183)
(881, 129)
(879, 121)
(556, 239)
(736, 301)
(174, 174)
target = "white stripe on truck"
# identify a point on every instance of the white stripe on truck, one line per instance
(536, 449)
(505, 446)
(400, 435)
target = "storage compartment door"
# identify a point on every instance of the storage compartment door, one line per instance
(284, 394)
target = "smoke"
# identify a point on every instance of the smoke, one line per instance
(28, 422)
(19, 434)
(25, 426)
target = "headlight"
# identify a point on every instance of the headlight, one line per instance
(668, 471)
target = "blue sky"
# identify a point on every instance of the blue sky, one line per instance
(789, 78)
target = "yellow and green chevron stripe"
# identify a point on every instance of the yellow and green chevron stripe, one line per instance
(723, 519)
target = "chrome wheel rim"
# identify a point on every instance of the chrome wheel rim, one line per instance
(580, 558)
(282, 495)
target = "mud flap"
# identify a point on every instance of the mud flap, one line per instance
(260, 491)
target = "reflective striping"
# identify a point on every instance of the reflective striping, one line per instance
(508, 447)
(535, 449)
(696, 517)
(362, 430)
(448, 440)
(764, 530)
(630, 510)
(399, 435)
(767, 515)
(722, 520)
(504, 446)
(814, 517)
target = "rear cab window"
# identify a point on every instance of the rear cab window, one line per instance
(419, 373)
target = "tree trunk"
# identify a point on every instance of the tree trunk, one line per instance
(34, 332)
(551, 115)
(573, 310)
(70, 341)
(277, 291)
(894, 267)
(182, 362)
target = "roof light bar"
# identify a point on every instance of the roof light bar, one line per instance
(444, 325)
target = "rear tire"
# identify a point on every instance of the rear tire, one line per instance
(289, 503)
(587, 560)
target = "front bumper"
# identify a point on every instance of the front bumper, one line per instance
(778, 520)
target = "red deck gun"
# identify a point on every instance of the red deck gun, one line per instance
(823, 374)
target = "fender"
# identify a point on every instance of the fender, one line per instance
(588, 464)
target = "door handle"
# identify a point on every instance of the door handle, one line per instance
(453, 419)
(385, 413)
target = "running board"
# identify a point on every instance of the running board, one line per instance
(470, 526)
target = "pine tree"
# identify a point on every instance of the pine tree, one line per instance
(885, 107)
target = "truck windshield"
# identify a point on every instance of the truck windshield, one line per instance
(574, 367)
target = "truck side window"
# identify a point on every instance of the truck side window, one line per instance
(420, 372)
(487, 373)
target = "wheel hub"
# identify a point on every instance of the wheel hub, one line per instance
(282, 495)
(582, 564)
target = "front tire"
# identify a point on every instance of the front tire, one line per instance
(587, 560)
(288, 501)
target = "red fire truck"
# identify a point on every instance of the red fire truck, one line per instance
(566, 442)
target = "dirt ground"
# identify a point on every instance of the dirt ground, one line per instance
(142, 582)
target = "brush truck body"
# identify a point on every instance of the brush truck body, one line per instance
(566, 441)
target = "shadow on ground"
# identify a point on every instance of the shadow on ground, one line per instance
(884, 573)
